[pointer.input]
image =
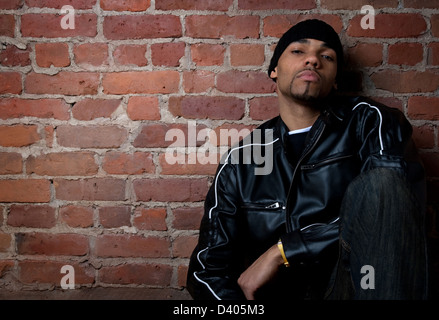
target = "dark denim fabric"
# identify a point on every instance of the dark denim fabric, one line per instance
(382, 231)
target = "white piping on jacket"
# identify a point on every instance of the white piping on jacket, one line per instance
(381, 123)
(216, 204)
(319, 224)
(225, 162)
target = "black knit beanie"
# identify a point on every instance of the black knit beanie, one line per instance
(309, 29)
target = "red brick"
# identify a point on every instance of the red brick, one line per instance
(387, 25)
(202, 107)
(48, 54)
(264, 108)
(5, 265)
(91, 54)
(182, 271)
(424, 137)
(5, 244)
(420, 4)
(12, 56)
(11, 4)
(56, 4)
(150, 219)
(154, 135)
(206, 54)
(52, 244)
(48, 25)
(62, 164)
(10, 82)
(276, 4)
(123, 163)
(247, 54)
(218, 26)
(89, 109)
(433, 54)
(196, 163)
(406, 81)
(25, 190)
(18, 135)
(130, 55)
(141, 82)
(77, 216)
(245, 82)
(187, 218)
(64, 82)
(7, 25)
(32, 216)
(183, 246)
(365, 55)
(143, 108)
(10, 163)
(423, 108)
(93, 189)
(198, 81)
(276, 25)
(127, 5)
(167, 54)
(357, 4)
(223, 5)
(39, 108)
(91, 137)
(49, 134)
(142, 274)
(142, 27)
(131, 246)
(114, 217)
(435, 25)
(49, 272)
(405, 53)
(171, 189)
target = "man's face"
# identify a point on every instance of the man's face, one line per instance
(306, 70)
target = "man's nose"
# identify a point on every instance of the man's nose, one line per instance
(312, 60)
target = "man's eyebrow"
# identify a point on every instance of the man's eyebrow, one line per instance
(324, 44)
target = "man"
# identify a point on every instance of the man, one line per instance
(340, 214)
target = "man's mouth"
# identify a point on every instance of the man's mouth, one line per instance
(309, 75)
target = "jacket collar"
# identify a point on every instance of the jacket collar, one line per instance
(333, 113)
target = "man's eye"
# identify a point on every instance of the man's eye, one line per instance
(296, 51)
(329, 58)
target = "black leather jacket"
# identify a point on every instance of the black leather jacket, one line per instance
(246, 212)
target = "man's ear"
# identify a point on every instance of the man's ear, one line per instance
(273, 74)
(335, 86)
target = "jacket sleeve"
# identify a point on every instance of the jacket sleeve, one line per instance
(385, 136)
(212, 272)
(384, 140)
(310, 243)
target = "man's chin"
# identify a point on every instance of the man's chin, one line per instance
(307, 98)
(315, 101)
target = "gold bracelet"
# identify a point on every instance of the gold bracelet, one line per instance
(282, 252)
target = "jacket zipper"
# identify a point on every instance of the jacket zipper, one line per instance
(315, 165)
(275, 205)
(287, 211)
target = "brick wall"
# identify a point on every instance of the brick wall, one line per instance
(84, 112)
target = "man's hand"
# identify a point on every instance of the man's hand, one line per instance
(260, 272)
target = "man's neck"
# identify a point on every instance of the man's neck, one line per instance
(297, 115)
